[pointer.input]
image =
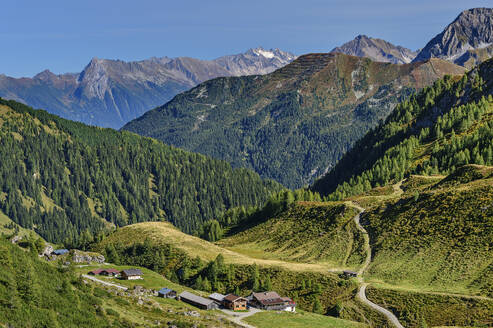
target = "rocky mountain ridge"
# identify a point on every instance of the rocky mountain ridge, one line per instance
(109, 93)
(467, 41)
(377, 50)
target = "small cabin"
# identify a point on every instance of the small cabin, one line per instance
(95, 272)
(166, 293)
(235, 303)
(131, 274)
(349, 274)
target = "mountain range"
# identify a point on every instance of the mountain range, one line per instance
(295, 123)
(109, 93)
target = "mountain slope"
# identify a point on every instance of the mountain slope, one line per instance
(467, 41)
(37, 293)
(293, 124)
(306, 232)
(437, 235)
(110, 93)
(435, 131)
(377, 50)
(63, 178)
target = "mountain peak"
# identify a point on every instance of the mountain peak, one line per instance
(262, 52)
(467, 41)
(256, 61)
(45, 76)
(376, 49)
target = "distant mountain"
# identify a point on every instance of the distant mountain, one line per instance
(377, 50)
(293, 124)
(255, 61)
(467, 41)
(109, 93)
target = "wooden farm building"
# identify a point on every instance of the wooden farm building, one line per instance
(197, 301)
(131, 274)
(166, 293)
(104, 272)
(95, 272)
(272, 301)
(234, 302)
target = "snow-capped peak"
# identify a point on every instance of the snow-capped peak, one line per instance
(265, 53)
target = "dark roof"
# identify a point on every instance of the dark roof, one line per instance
(60, 251)
(273, 301)
(233, 297)
(349, 272)
(96, 271)
(132, 272)
(195, 298)
(111, 270)
(165, 291)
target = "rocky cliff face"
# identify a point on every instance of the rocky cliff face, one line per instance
(377, 50)
(467, 41)
(110, 93)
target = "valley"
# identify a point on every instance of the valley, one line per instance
(352, 188)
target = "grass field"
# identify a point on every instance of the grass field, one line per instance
(165, 233)
(437, 236)
(307, 232)
(301, 319)
(151, 279)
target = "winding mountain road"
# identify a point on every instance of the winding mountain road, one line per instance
(362, 289)
(392, 318)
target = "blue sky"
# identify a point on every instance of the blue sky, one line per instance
(64, 35)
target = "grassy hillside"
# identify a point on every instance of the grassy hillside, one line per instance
(34, 293)
(437, 236)
(69, 181)
(202, 265)
(293, 124)
(300, 319)
(307, 232)
(163, 234)
(415, 309)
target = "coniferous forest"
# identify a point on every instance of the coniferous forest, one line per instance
(449, 122)
(69, 181)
